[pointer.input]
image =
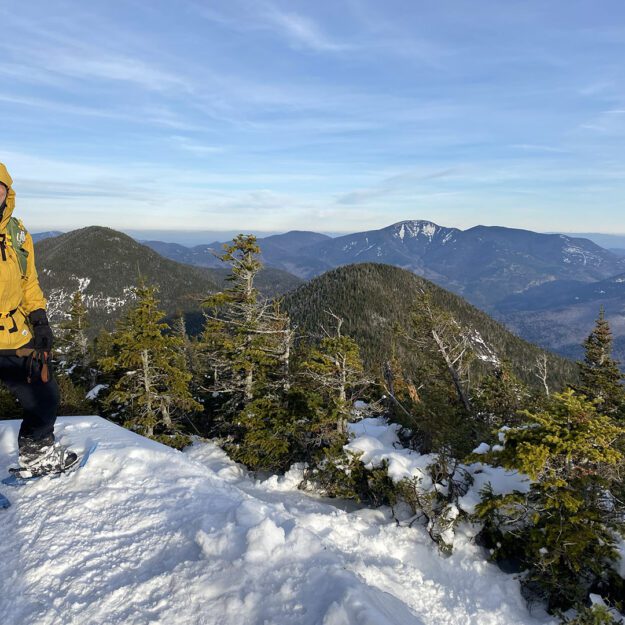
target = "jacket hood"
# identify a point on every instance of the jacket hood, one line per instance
(6, 179)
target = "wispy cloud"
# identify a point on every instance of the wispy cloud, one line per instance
(298, 30)
(392, 185)
(305, 109)
(533, 147)
(189, 145)
(62, 107)
(302, 31)
(118, 68)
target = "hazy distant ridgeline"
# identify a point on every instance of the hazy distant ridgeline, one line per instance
(547, 287)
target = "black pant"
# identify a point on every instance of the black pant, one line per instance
(39, 400)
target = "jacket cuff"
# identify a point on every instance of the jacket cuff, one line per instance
(38, 317)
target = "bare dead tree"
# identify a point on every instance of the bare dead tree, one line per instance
(542, 371)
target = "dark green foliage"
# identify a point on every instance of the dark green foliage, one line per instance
(73, 400)
(245, 349)
(497, 400)
(150, 391)
(342, 474)
(268, 436)
(74, 351)
(376, 299)
(442, 357)
(9, 406)
(334, 369)
(564, 529)
(246, 341)
(600, 377)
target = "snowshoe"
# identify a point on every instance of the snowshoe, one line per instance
(37, 460)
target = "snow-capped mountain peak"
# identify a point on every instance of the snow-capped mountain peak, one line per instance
(416, 228)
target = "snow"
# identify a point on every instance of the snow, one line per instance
(483, 351)
(377, 440)
(146, 535)
(83, 283)
(482, 448)
(415, 228)
(95, 391)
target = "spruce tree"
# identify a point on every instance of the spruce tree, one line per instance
(443, 353)
(564, 529)
(601, 378)
(151, 388)
(497, 399)
(335, 369)
(75, 344)
(246, 341)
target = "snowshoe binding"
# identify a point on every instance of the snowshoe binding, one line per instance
(37, 459)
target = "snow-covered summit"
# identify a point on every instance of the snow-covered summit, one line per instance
(411, 229)
(145, 534)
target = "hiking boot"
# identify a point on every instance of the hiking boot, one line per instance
(43, 457)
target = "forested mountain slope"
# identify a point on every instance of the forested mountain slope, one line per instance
(105, 264)
(373, 299)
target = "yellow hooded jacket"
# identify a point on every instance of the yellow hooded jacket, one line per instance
(19, 295)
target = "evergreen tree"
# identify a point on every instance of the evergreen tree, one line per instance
(601, 378)
(246, 341)
(151, 388)
(75, 344)
(564, 528)
(443, 353)
(498, 398)
(336, 371)
(438, 332)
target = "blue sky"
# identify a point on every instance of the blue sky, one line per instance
(327, 115)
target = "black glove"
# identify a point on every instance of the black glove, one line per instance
(42, 331)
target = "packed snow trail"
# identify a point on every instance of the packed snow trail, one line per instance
(146, 535)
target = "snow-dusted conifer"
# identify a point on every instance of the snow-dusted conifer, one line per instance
(75, 344)
(564, 529)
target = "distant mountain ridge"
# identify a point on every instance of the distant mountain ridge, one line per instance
(503, 271)
(105, 265)
(546, 287)
(485, 263)
(40, 236)
(281, 251)
(560, 314)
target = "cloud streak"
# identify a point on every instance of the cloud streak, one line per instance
(301, 31)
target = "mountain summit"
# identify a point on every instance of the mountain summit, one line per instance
(146, 534)
(485, 264)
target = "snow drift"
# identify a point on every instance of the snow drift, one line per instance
(147, 535)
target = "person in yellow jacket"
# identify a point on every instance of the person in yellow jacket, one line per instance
(26, 343)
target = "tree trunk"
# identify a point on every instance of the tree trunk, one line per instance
(147, 387)
(452, 371)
